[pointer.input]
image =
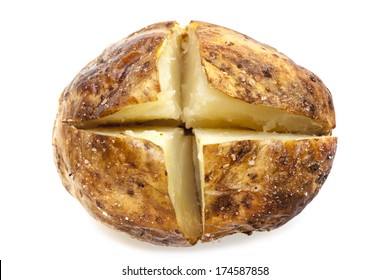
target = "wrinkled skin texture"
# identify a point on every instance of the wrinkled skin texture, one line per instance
(120, 180)
(256, 73)
(259, 185)
(124, 74)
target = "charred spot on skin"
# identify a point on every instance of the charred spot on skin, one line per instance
(252, 176)
(130, 192)
(266, 72)
(140, 184)
(207, 177)
(240, 149)
(312, 79)
(246, 201)
(225, 204)
(314, 167)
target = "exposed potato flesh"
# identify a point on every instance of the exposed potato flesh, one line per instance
(132, 180)
(135, 79)
(181, 181)
(253, 181)
(219, 92)
(121, 150)
(167, 105)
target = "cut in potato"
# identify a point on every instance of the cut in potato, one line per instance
(135, 80)
(232, 81)
(147, 135)
(181, 182)
(138, 181)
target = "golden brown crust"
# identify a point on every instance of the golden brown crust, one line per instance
(249, 185)
(125, 73)
(256, 73)
(259, 185)
(120, 180)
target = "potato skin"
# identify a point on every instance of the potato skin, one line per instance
(259, 185)
(121, 181)
(124, 74)
(256, 73)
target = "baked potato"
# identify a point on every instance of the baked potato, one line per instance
(179, 135)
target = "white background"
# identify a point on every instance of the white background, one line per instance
(343, 234)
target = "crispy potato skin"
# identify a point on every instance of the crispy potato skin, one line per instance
(256, 73)
(121, 181)
(259, 185)
(250, 185)
(124, 74)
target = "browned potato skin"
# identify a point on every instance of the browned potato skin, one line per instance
(104, 86)
(121, 181)
(124, 183)
(276, 179)
(256, 73)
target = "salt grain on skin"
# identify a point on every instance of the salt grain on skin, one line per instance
(251, 162)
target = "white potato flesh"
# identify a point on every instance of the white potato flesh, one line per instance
(167, 107)
(207, 107)
(181, 181)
